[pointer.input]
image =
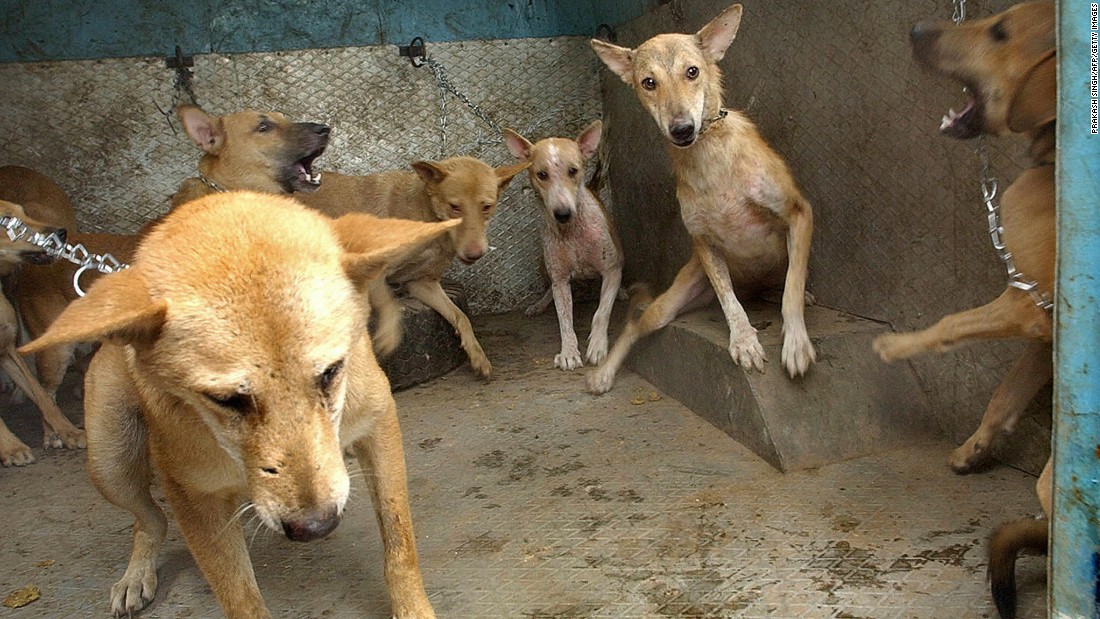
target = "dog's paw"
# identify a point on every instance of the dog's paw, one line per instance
(134, 591)
(597, 350)
(482, 367)
(69, 438)
(891, 346)
(535, 309)
(600, 380)
(798, 352)
(568, 360)
(15, 453)
(970, 454)
(747, 352)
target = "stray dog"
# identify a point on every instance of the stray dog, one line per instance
(578, 238)
(460, 188)
(58, 429)
(747, 219)
(1008, 64)
(251, 150)
(238, 375)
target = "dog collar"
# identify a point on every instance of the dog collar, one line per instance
(211, 184)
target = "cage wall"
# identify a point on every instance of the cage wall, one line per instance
(900, 229)
(100, 129)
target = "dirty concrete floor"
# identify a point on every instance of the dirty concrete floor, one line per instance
(533, 499)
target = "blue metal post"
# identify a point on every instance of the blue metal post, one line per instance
(1074, 589)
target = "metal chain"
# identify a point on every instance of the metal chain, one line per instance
(55, 246)
(445, 86)
(989, 185)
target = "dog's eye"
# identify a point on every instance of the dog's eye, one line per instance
(998, 33)
(264, 126)
(542, 175)
(328, 377)
(456, 209)
(572, 172)
(692, 72)
(239, 402)
(649, 83)
(485, 208)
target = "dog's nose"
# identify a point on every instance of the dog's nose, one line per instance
(61, 233)
(472, 255)
(562, 215)
(311, 525)
(317, 128)
(682, 133)
(922, 31)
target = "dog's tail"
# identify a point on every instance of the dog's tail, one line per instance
(1005, 545)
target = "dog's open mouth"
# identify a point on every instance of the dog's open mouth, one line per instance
(306, 180)
(966, 123)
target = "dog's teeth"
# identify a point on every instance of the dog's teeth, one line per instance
(945, 122)
(952, 113)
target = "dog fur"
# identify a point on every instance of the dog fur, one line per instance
(460, 188)
(58, 430)
(750, 225)
(1008, 63)
(578, 236)
(235, 362)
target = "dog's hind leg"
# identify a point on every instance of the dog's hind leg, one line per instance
(382, 459)
(686, 291)
(431, 293)
(1013, 314)
(118, 464)
(1029, 373)
(540, 306)
(798, 351)
(58, 430)
(597, 339)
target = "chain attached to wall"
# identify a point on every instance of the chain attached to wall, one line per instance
(183, 84)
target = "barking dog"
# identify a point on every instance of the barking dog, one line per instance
(578, 238)
(58, 429)
(235, 361)
(461, 189)
(747, 219)
(1008, 64)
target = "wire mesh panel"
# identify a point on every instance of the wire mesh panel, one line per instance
(97, 127)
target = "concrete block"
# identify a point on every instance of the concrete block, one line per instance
(849, 404)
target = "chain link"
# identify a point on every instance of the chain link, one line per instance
(445, 86)
(55, 246)
(989, 185)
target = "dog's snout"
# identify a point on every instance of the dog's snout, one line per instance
(311, 525)
(682, 133)
(923, 36)
(562, 215)
(318, 128)
(472, 254)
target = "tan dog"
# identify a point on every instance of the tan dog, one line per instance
(460, 188)
(749, 223)
(253, 150)
(578, 237)
(1007, 62)
(239, 374)
(58, 429)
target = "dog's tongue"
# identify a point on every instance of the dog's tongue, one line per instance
(306, 177)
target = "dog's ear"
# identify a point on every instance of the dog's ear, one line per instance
(716, 36)
(619, 59)
(1035, 102)
(205, 131)
(505, 173)
(589, 139)
(519, 146)
(117, 308)
(429, 172)
(374, 243)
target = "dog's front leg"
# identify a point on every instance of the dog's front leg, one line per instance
(1029, 373)
(744, 347)
(12, 450)
(382, 458)
(570, 356)
(1013, 314)
(798, 351)
(431, 293)
(597, 339)
(219, 549)
(58, 430)
(387, 332)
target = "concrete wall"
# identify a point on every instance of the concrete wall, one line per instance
(900, 228)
